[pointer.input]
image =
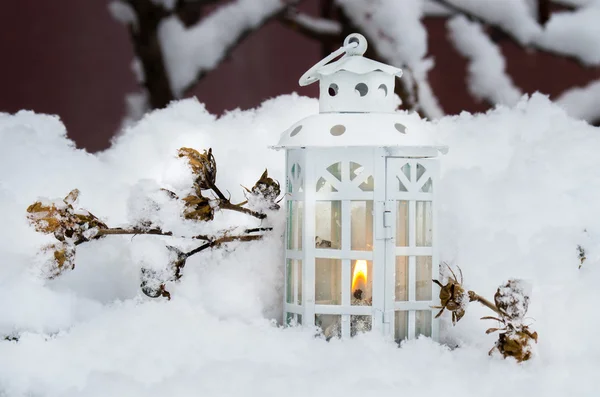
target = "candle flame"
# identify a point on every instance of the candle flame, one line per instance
(360, 274)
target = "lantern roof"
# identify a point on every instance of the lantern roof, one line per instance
(354, 64)
(357, 106)
(362, 130)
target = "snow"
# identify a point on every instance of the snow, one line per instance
(190, 52)
(513, 16)
(519, 186)
(574, 33)
(122, 12)
(582, 102)
(319, 25)
(396, 30)
(486, 73)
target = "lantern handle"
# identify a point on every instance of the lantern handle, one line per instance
(354, 44)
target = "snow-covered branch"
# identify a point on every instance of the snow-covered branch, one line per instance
(487, 78)
(512, 16)
(574, 34)
(582, 102)
(315, 28)
(399, 37)
(191, 52)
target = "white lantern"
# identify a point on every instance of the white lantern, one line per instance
(361, 217)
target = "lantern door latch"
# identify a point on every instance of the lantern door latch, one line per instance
(384, 221)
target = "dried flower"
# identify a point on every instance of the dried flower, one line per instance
(203, 166)
(515, 339)
(512, 299)
(453, 297)
(268, 189)
(62, 220)
(62, 259)
(152, 284)
(198, 208)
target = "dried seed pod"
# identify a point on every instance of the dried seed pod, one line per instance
(512, 299)
(515, 342)
(203, 165)
(152, 285)
(45, 218)
(198, 208)
(177, 262)
(72, 197)
(62, 259)
(268, 189)
(453, 297)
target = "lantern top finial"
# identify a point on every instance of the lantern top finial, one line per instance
(354, 47)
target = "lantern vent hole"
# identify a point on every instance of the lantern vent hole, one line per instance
(361, 89)
(296, 130)
(337, 130)
(333, 89)
(400, 127)
(383, 90)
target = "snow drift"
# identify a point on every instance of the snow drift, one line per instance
(519, 192)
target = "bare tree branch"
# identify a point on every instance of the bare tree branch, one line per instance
(543, 11)
(144, 36)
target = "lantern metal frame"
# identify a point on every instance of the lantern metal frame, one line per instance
(397, 153)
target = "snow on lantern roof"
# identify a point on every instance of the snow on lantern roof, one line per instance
(394, 130)
(358, 65)
(357, 107)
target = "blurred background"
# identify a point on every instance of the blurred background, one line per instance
(100, 65)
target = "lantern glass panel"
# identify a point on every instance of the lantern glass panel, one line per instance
(361, 284)
(401, 278)
(293, 272)
(289, 281)
(296, 213)
(328, 281)
(330, 324)
(360, 324)
(402, 223)
(291, 319)
(427, 186)
(362, 225)
(368, 185)
(400, 326)
(356, 170)
(420, 171)
(325, 187)
(424, 224)
(298, 273)
(423, 291)
(336, 170)
(423, 323)
(328, 225)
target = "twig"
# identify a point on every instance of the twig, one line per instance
(225, 204)
(473, 297)
(222, 240)
(258, 229)
(119, 231)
